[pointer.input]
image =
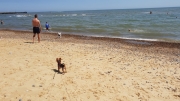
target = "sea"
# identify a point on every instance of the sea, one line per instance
(154, 24)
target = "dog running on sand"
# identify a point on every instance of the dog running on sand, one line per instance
(61, 65)
(59, 34)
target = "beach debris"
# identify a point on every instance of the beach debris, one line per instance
(177, 95)
(138, 94)
(108, 72)
(174, 90)
(20, 100)
(34, 86)
(64, 98)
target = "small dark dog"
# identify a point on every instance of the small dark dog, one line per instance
(61, 65)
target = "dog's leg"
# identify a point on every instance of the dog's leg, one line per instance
(60, 35)
(64, 70)
(58, 69)
(57, 60)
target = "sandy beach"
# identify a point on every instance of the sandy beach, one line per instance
(98, 69)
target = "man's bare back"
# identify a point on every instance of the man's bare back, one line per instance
(35, 22)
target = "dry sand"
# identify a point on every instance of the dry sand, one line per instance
(98, 69)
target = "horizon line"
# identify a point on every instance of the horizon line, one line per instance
(106, 9)
(95, 9)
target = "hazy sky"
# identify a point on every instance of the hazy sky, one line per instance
(66, 5)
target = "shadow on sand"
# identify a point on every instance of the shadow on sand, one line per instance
(56, 71)
(29, 42)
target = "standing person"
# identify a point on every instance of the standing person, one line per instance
(1, 22)
(47, 26)
(36, 27)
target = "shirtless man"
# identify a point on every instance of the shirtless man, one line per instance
(36, 27)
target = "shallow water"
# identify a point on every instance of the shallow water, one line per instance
(163, 24)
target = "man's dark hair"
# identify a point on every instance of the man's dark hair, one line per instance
(35, 15)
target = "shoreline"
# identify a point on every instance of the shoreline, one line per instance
(97, 68)
(157, 46)
(117, 39)
(100, 37)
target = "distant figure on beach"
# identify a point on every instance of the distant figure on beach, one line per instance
(36, 27)
(47, 26)
(150, 12)
(1, 22)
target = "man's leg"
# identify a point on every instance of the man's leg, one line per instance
(33, 37)
(38, 38)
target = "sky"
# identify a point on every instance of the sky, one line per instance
(71, 5)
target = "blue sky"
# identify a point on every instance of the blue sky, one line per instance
(68, 5)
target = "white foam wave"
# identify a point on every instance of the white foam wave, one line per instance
(74, 14)
(141, 39)
(21, 16)
(83, 14)
(136, 30)
(146, 12)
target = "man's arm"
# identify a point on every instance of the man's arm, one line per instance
(32, 23)
(40, 25)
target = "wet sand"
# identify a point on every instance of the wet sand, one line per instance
(98, 69)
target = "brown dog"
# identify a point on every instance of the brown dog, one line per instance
(61, 65)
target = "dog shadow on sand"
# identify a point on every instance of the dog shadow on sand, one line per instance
(56, 71)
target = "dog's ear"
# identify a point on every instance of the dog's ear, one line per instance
(57, 59)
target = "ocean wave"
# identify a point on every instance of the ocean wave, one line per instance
(74, 15)
(21, 16)
(83, 14)
(143, 39)
(140, 39)
(137, 30)
(146, 12)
